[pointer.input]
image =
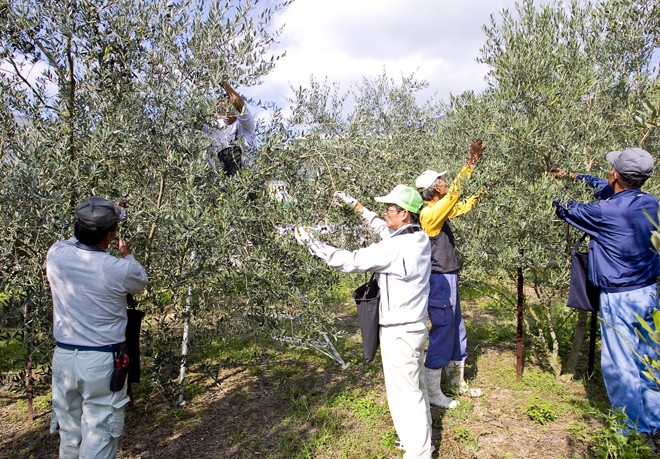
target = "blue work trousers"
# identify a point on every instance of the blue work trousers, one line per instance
(627, 387)
(447, 337)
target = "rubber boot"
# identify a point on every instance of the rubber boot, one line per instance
(436, 397)
(455, 377)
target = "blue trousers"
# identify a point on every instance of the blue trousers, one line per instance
(626, 386)
(447, 337)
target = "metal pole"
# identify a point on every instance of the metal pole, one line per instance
(184, 346)
(519, 338)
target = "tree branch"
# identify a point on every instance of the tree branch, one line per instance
(27, 83)
(72, 95)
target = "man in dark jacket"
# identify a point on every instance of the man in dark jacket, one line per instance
(624, 264)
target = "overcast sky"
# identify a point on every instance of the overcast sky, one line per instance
(345, 40)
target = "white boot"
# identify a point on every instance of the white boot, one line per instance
(433, 380)
(455, 374)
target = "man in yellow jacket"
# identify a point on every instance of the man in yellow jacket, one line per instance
(447, 338)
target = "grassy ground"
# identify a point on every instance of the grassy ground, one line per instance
(269, 400)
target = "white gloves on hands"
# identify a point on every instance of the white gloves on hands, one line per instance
(303, 235)
(347, 198)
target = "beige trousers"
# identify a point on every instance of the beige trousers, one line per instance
(90, 416)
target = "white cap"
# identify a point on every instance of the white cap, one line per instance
(427, 178)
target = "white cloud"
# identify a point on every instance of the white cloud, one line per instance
(345, 40)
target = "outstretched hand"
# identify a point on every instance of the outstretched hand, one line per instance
(235, 99)
(561, 173)
(122, 246)
(477, 148)
(345, 198)
(303, 235)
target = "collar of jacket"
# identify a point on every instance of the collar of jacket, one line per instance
(407, 229)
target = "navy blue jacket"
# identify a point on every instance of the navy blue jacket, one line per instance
(621, 255)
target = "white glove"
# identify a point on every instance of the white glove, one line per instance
(303, 235)
(347, 198)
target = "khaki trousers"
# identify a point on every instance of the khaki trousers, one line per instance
(90, 416)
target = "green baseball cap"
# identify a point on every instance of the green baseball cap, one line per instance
(405, 197)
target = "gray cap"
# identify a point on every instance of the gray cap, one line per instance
(633, 162)
(96, 213)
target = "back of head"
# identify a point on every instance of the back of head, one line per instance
(90, 237)
(426, 182)
(427, 179)
(634, 166)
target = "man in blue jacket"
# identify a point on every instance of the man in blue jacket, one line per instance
(624, 264)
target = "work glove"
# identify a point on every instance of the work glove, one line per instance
(303, 235)
(347, 198)
(559, 208)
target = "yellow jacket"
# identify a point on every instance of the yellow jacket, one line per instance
(434, 214)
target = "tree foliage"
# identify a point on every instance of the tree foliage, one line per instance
(562, 92)
(113, 111)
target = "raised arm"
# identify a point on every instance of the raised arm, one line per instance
(235, 99)
(374, 222)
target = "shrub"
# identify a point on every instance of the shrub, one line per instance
(540, 411)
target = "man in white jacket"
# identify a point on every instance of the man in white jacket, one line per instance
(234, 139)
(402, 261)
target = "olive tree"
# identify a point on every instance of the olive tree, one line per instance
(106, 98)
(565, 81)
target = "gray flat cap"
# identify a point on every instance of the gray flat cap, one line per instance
(633, 162)
(96, 213)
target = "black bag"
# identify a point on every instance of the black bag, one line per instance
(367, 299)
(231, 159)
(582, 294)
(133, 343)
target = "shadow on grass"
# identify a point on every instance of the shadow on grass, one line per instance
(485, 330)
(265, 399)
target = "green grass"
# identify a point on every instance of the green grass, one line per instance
(466, 438)
(362, 406)
(41, 403)
(490, 332)
(462, 412)
(540, 381)
(608, 442)
(541, 411)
